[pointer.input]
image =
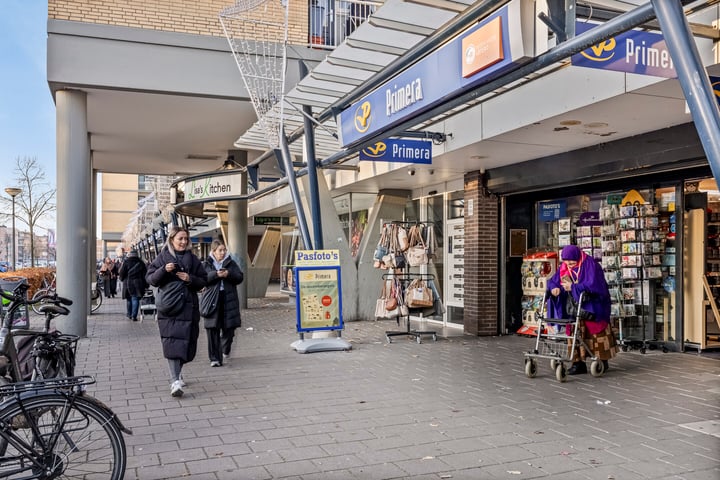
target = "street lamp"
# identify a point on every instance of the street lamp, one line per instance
(13, 192)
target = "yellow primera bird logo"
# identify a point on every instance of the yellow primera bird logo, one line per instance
(376, 150)
(600, 52)
(362, 117)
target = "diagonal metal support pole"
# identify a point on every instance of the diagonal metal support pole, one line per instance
(294, 192)
(693, 78)
(312, 169)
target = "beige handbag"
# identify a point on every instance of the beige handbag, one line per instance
(418, 295)
(416, 254)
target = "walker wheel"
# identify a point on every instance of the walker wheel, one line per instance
(561, 373)
(597, 368)
(418, 339)
(554, 363)
(530, 368)
(434, 338)
(642, 350)
(387, 337)
(624, 348)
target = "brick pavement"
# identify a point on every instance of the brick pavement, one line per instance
(459, 408)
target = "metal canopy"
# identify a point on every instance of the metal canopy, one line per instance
(389, 33)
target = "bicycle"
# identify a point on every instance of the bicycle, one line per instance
(96, 297)
(47, 289)
(51, 428)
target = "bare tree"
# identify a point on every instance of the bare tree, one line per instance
(36, 199)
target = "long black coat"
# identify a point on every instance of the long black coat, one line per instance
(179, 334)
(132, 273)
(231, 308)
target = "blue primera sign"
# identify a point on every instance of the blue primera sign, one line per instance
(634, 51)
(398, 150)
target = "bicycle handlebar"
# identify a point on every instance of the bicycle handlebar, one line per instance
(22, 298)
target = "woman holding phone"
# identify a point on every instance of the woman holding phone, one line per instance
(224, 275)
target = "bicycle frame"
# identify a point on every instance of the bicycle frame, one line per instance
(34, 450)
(8, 350)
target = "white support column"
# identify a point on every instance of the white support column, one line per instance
(74, 188)
(237, 230)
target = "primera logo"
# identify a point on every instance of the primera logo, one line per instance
(716, 89)
(362, 117)
(377, 150)
(601, 52)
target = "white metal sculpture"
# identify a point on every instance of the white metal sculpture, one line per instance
(257, 31)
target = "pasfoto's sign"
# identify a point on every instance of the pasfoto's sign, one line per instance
(477, 56)
(398, 150)
(634, 51)
(552, 210)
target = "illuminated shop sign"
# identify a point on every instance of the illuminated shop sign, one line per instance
(480, 54)
(399, 150)
(634, 51)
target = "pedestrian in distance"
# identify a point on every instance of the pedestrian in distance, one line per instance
(223, 317)
(109, 273)
(132, 274)
(580, 273)
(178, 333)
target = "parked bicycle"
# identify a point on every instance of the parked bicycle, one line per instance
(50, 288)
(47, 289)
(51, 428)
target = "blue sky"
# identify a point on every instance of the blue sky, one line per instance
(27, 111)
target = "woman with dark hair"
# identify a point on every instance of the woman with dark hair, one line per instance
(580, 273)
(132, 274)
(179, 333)
(223, 275)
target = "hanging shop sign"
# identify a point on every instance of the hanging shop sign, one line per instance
(548, 211)
(318, 291)
(715, 84)
(478, 55)
(634, 51)
(210, 188)
(399, 150)
(260, 220)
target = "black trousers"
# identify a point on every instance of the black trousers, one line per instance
(219, 339)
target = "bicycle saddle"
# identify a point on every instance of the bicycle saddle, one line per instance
(54, 309)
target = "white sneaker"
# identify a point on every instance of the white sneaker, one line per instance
(176, 389)
(226, 357)
(214, 363)
(182, 381)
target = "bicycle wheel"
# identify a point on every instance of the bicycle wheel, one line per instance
(38, 294)
(95, 299)
(88, 444)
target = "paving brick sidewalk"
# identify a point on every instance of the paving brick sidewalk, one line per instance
(459, 408)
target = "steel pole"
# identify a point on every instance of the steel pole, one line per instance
(14, 259)
(693, 78)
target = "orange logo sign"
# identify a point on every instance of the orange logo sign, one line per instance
(482, 48)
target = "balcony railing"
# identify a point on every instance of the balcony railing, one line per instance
(333, 20)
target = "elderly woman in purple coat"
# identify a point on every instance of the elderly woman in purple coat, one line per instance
(579, 273)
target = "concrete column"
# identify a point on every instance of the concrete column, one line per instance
(237, 230)
(74, 186)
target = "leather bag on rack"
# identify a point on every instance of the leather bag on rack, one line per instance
(416, 254)
(418, 295)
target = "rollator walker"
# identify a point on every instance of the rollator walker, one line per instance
(553, 342)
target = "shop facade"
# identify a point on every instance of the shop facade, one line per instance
(653, 229)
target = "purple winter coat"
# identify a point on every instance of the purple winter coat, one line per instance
(590, 279)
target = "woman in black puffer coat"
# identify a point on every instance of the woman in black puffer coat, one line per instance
(224, 275)
(179, 333)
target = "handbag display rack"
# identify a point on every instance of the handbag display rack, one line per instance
(413, 286)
